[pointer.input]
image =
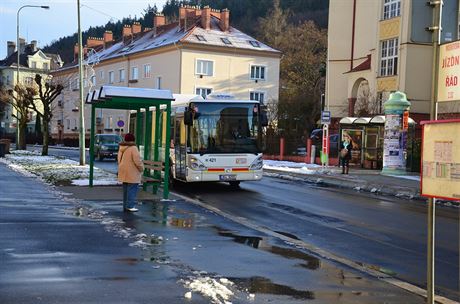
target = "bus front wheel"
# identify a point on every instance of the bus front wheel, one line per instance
(235, 184)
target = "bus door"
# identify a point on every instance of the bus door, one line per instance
(180, 148)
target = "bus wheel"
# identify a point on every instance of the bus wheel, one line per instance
(235, 184)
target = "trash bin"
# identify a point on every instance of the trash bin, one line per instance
(7, 143)
(2, 149)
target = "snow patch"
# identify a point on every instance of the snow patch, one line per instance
(218, 291)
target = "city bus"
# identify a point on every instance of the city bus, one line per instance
(218, 139)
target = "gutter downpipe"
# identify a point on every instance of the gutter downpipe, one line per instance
(353, 35)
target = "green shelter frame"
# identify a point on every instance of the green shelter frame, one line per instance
(141, 101)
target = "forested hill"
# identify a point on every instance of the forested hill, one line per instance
(244, 14)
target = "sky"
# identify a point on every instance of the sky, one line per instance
(61, 19)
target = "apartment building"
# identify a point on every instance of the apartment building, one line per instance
(199, 54)
(381, 46)
(32, 61)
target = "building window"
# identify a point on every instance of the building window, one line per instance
(68, 124)
(159, 82)
(101, 75)
(389, 57)
(204, 67)
(121, 75)
(226, 41)
(34, 64)
(111, 77)
(258, 96)
(28, 81)
(391, 9)
(108, 122)
(204, 92)
(200, 38)
(93, 80)
(8, 81)
(254, 43)
(147, 71)
(257, 72)
(45, 66)
(134, 73)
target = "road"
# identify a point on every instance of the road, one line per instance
(383, 233)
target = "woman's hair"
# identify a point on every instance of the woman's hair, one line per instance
(129, 137)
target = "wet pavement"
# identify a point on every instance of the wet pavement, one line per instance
(81, 248)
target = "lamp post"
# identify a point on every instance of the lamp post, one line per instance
(18, 55)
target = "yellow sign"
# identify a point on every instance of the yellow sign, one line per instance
(449, 72)
(441, 159)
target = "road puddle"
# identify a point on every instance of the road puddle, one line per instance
(312, 262)
(265, 286)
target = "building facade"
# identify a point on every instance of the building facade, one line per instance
(199, 54)
(382, 46)
(32, 61)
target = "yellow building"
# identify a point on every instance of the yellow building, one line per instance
(199, 54)
(32, 61)
(376, 47)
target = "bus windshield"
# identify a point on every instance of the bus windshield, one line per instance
(225, 128)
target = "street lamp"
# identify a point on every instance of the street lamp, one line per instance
(18, 55)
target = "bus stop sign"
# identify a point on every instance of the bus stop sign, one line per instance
(325, 117)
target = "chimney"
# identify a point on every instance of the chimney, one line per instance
(11, 47)
(225, 20)
(22, 45)
(158, 20)
(127, 33)
(93, 42)
(182, 16)
(33, 43)
(108, 39)
(206, 18)
(137, 28)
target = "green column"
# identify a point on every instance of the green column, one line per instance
(395, 135)
(139, 126)
(147, 141)
(91, 145)
(167, 147)
(157, 144)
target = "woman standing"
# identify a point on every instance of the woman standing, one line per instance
(345, 152)
(130, 168)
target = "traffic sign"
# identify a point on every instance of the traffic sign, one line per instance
(325, 117)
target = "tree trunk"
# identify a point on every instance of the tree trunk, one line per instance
(21, 145)
(46, 131)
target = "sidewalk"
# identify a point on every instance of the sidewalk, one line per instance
(358, 179)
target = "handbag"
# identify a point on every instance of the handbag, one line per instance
(343, 152)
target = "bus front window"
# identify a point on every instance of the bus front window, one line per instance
(225, 128)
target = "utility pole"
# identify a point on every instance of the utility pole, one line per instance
(436, 32)
(82, 103)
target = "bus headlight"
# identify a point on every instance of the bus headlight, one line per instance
(196, 164)
(257, 164)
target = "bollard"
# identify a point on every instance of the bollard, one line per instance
(281, 148)
(313, 154)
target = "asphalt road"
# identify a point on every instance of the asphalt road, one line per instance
(384, 233)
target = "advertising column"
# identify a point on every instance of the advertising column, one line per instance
(395, 136)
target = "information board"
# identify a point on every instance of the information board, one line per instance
(440, 176)
(449, 72)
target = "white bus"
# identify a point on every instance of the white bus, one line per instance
(217, 139)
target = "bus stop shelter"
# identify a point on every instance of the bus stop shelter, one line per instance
(141, 101)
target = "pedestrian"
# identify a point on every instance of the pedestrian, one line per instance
(130, 168)
(345, 152)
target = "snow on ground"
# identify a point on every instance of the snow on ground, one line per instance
(411, 177)
(55, 169)
(286, 166)
(217, 290)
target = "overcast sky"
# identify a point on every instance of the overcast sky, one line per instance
(61, 19)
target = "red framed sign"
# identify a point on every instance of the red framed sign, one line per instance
(440, 174)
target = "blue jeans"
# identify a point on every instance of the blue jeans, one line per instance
(129, 195)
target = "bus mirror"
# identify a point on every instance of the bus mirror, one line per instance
(263, 119)
(188, 118)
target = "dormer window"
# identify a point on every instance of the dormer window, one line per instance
(254, 43)
(34, 64)
(226, 41)
(200, 38)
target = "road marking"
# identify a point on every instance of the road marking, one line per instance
(321, 252)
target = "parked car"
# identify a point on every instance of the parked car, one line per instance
(106, 145)
(316, 137)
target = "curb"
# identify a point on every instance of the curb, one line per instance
(354, 184)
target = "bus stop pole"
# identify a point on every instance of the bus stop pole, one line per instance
(91, 145)
(167, 147)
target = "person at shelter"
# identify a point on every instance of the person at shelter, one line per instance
(130, 168)
(345, 152)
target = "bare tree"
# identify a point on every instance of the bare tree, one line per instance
(47, 93)
(21, 98)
